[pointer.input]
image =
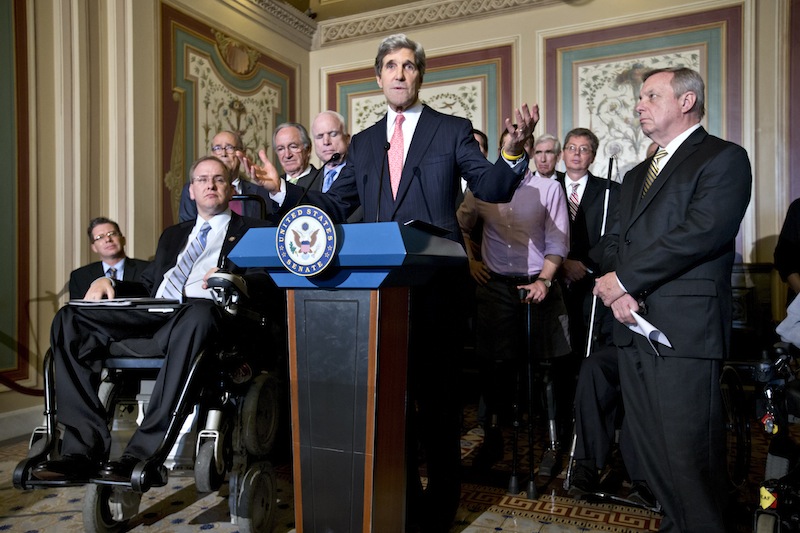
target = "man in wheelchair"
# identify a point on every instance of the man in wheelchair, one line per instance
(187, 254)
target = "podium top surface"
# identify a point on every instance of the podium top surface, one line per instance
(369, 255)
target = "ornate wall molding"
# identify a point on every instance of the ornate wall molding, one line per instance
(424, 13)
(288, 16)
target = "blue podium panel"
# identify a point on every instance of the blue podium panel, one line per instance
(369, 256)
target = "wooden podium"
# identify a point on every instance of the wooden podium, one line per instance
(348, 344)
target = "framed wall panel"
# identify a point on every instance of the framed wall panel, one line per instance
(213, 81)
(14, 208)
(593, 78)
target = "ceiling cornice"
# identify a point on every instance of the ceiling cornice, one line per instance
(287, 20)
(418, 14)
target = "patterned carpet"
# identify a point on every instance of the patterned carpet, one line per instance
(485, 505)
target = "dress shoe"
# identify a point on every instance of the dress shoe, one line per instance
(119, 470)
(640, 494)
(585, 480)
(73, 468)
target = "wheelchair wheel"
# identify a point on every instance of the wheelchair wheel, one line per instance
(737, 428)
(256, 500)
(208, 472)
(765, 523)
(260, 415)
(97, 515)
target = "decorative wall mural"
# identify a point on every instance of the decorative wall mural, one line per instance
(214, 81)
(592, 78)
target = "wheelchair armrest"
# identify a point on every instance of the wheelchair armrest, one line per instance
(229, 291)
(225, 282)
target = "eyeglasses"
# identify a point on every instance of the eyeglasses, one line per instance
(582, 149)
(218, 180)
(112, 234)
(294, 148)
(218, 148)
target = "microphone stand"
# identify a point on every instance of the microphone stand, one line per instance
(380, 181)
(334, 158)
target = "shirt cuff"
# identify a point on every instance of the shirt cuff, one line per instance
(621, 286)
(280, 196)
(517, 164)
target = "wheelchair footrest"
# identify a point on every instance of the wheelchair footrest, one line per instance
(34, 483)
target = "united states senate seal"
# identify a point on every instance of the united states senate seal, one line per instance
(306, 240)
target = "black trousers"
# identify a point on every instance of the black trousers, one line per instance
(79, 339)
(674, 410)
(598, 410)
(433, 421)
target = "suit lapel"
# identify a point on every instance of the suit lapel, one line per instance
(130, 270)
(235, 230)
(687, 148)
(420, 142)
(379, 173)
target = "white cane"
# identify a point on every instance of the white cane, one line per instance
(592, 316)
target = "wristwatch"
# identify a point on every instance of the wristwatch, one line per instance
(546, 282)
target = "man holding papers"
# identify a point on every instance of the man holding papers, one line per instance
(671, 245)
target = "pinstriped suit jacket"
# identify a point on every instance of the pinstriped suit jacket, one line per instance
(442, 150)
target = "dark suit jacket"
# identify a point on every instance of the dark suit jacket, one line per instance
(173, 240)
(584, 231)
(81, 278)
(311, 179)
(188, 209)
(674, 248)
(441, 151)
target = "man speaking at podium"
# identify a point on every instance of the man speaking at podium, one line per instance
(408, 166)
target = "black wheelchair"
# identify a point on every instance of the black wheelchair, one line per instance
(235, 399)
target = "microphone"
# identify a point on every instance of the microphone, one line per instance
(415, 174)
(384, 164)
(334, 158)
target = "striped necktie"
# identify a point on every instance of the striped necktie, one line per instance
(173, 290)
(111, 273)
(573, 202)
(652, 172)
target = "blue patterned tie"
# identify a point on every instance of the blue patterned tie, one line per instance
(176, 281)
(111, 273)
(328, 180)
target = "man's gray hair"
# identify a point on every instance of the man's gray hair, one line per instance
(304, 138)
(396, 42)
(685, 80)
(548, 137)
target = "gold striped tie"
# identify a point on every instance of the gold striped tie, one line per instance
(652, 172)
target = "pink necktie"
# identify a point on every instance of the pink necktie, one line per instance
(396, 154)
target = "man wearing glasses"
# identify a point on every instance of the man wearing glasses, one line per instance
(223, 147)
(108, 242)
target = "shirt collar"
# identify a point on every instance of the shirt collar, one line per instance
(119, 264)
(220, 220)
(415, 109)
(677, 141)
